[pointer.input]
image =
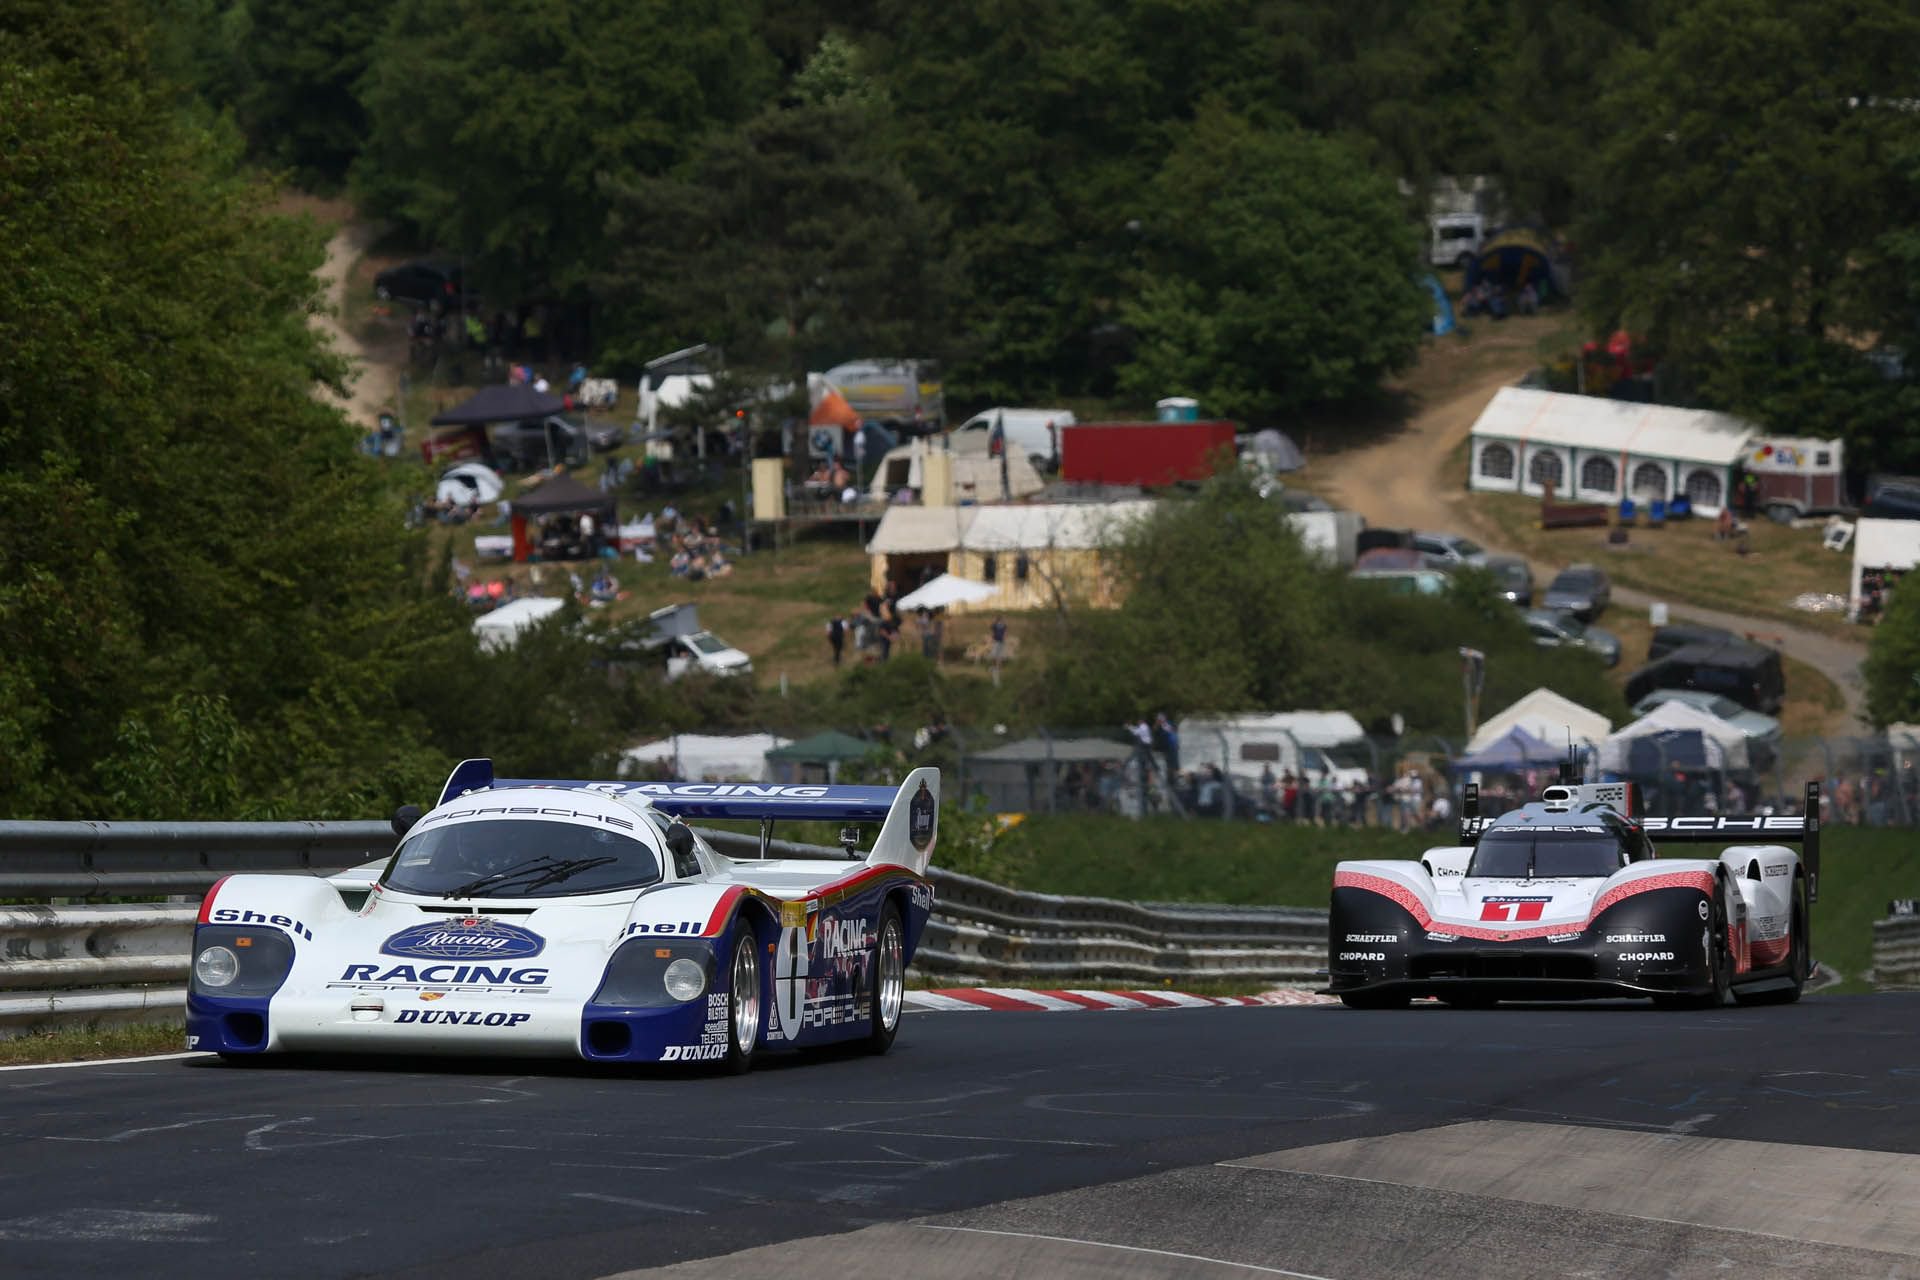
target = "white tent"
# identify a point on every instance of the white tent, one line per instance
(1882, 544)
(501, 629)
(1726, 745)
(1547, 716)
(701, 757)
(473, 482)
(947, 590)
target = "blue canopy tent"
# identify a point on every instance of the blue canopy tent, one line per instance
(1443, 321)
(1515, 749)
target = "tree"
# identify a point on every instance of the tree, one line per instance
(1740, 179)
(1892, 668)
(491, 124)
(1280, 274)
(791, 241)
(299, 106)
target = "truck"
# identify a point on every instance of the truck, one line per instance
(903, 395)
(1145, 454)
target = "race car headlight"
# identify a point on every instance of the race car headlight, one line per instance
(649, 974)
(216, 967)
(232, 961)
(684, 979)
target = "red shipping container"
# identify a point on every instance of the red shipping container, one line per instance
(1148, 454)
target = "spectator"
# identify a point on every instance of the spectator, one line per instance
(889, 630)
(1441, 811)
(1168, 739)
(836, 636)
(997, 653)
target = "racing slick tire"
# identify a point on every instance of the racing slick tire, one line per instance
(1719, 963)
(1374, 1000)
(1798, 959)
(889, 998)
(746, 1003)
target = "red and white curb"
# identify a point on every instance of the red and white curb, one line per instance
(1021, 1000)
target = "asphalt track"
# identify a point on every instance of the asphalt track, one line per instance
(1578, 1140)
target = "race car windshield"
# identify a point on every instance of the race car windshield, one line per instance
(519, 858)
(1544, 853)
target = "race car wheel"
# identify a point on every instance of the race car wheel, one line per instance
(1799, 959)
(744, 1003)
(1719, 963)
(1373, 1000)
(889, 980)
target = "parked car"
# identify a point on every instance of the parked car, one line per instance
(1559, 628)
(531, 446)
(1449, 550)
(1892, 498)
(1758, 727)
(1403, 581)
(1750, 674)
(1678, 635)
(436, 283)
(1582, 589)
(1514, 578)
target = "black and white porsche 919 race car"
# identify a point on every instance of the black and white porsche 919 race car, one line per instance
(1568, 898)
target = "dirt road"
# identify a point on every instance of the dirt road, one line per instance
(1407, 480)
(375, 381)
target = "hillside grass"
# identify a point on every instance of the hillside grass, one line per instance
(1253, 864)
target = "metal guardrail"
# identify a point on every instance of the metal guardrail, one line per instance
(127, 961)
(1896, 952)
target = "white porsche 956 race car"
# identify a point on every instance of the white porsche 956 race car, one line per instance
(577, 919)
(1568, 899)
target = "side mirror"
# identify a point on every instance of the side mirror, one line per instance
(404, 817)
(680, 845)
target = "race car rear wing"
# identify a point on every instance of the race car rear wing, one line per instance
(1802, 828)
(908, 813)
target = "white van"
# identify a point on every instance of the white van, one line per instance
(1035, 430)
(1456, 238)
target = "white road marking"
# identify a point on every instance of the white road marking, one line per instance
(932, 1000)
(1129, 1248)
(1038, 999)
(1112, 999)
(105, 1062)
(637, 1204)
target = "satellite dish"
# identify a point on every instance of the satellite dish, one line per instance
(1399, 723)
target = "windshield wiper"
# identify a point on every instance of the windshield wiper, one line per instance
(524, 867)
(566, 870)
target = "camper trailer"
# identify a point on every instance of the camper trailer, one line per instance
(1303, 743)
(1798, 477)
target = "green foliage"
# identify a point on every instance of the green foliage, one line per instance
(790, 240)
(1296, 287)
(1892, 668)
(1225, 611)
(1153, 859)
(304, 62)
(1798, 384)
(1740, 177)
(494, 124)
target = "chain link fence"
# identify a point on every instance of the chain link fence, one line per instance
(1407, 782)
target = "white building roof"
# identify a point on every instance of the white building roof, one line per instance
(976, 475)
(1076, 526)
(1886, 544)
(1547, 716)
(1617, 426)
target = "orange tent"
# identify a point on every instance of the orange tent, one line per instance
(833, 411)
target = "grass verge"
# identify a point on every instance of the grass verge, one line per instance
(86, 1044)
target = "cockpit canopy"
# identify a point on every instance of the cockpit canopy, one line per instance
(1555, 852)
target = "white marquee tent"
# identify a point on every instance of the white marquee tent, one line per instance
(1726, 745)
(1882, 544)
(701, 757)
(1547, 716)
(501, 629)
(1597, 450)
